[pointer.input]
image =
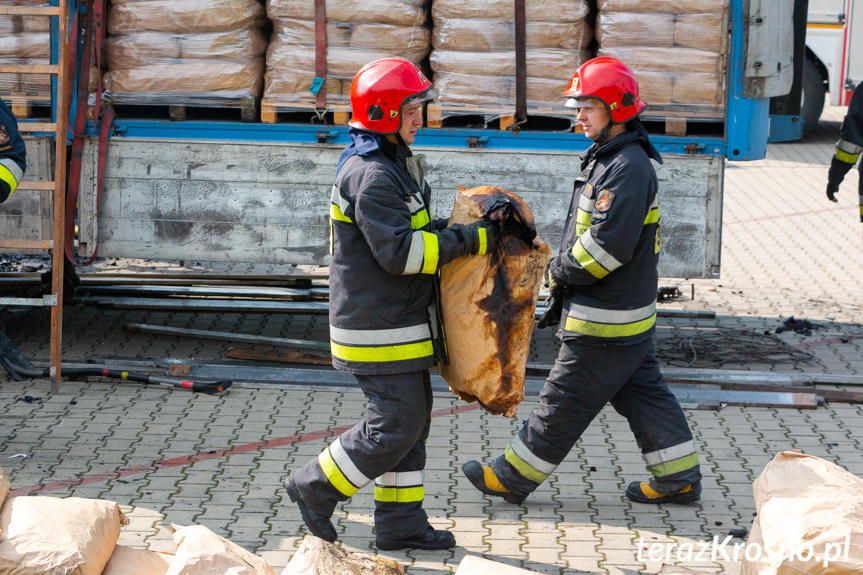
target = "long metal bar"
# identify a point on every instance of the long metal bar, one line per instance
(211, 291)
(261, 306)
(229, 336)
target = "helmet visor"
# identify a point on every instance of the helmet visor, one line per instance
(425, 96)
(583, 102)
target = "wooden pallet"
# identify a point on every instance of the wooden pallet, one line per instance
(179, 112)
(438, 115)
(337, 114)
(25, 106)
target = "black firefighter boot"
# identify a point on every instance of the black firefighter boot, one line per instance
(431, 539)
(643, 492)
(319, 525)
(484, 478)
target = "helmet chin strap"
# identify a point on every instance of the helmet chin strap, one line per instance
(604, 134)
(400, 140)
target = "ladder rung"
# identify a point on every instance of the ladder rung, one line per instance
(26, 244)
(30, 10)
(37, 127)
(31, 185)
(29, 68)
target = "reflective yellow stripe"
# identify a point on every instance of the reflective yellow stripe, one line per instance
(399, 494)
(336, 214)
(844, 156)
(430, 253)
(608, 330)
(523, 467)
(386, 353)
(419, 219)
(7, 176)
(483, 241)
(582, 217)
(652, 216)
(676, 466)
(334, 474)
(587, 261)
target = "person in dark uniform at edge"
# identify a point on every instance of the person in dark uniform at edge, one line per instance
(848, 149)
(386, 251)
(605, 282)
(13, 153)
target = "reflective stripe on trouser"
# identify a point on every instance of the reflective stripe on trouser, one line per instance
(388, 446)
(583, 380)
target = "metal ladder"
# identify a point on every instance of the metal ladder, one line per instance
(57, 68)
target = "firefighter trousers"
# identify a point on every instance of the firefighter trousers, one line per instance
(387, 447)
(584, 378)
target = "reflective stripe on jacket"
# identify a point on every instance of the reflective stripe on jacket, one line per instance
(13, 153)
(385, 256)
(611, 242)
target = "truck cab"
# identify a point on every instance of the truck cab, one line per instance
(834, 56)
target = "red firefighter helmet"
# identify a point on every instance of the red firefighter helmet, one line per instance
(609, 80)
(379, 90)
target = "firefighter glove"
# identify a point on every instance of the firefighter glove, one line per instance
(837, 172)
(552, 313)
(550, 282)
(482, 238)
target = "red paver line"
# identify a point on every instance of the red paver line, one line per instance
(211, 454)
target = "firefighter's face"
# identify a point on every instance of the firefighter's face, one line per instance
(593, 116)
(412, 120)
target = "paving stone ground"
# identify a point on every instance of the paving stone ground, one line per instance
(175, 457)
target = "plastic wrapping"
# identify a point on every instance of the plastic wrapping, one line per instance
(191, 82)
(357, 33)
(37, 45)
(474, 54)
(623, 29)
(184, 16)
(24, 24)
(25, 87)
(675, 47)
(504, 10)
(154, 47)
(399, 12)
(185, 52)
(662, 6)
(485, 34)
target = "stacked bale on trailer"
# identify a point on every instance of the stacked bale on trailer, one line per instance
(474, 59)
(185, 52)
(676, 49)
(24, 40)
(355, 34)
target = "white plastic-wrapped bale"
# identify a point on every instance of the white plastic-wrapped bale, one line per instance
(677, 49)
(178, 52)
(356, 34)
(24, 40)
(473, 55)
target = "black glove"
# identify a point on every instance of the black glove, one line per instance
(482, 237)
(837, 172)
(553, 310)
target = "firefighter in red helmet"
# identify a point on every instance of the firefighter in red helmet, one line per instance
(604, 282)
(386, 251)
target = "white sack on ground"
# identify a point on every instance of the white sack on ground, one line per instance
(809, 519)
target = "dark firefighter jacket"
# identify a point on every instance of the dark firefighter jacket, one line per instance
(386, 252)
(850, 145)
(13, 154)
(607, 264)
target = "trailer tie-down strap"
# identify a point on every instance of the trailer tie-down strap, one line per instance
(319, 86)
(520, 67)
